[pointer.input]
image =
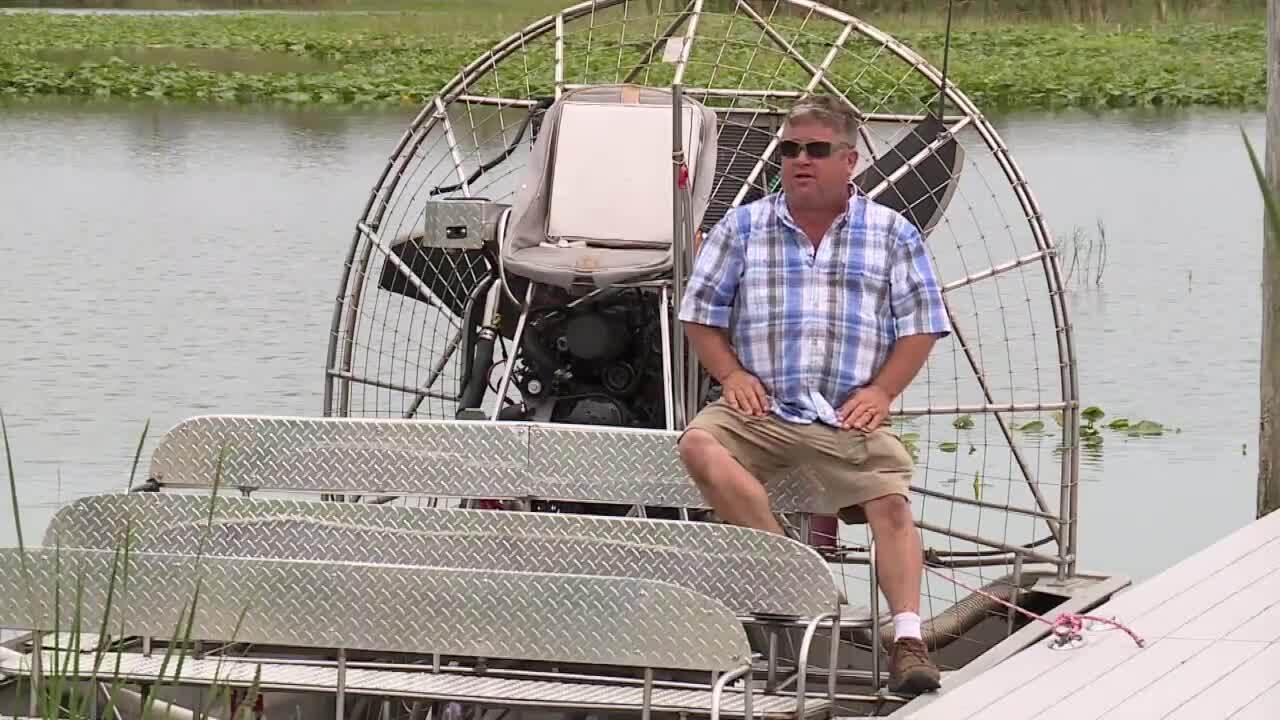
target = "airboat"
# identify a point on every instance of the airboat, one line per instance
(489, 517)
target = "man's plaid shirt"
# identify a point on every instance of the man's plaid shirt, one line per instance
(814, 327)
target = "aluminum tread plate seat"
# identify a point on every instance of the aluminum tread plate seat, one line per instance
(749, 571)
(522, 616)
(438, 686)
(445, 458)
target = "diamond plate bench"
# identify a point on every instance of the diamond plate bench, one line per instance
(746, 570)
(580, 620)
(445, 458)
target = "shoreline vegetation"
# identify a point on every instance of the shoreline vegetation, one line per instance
(388, 53)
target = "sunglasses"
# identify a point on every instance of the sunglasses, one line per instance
(817, 149)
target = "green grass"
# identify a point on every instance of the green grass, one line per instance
(404, 59)
(913, 11)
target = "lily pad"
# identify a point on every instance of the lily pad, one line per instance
(1145, 428)
(1033, 426)
(964, 422)
(1093, 413)
(1118, 424)
(909, 441)
(948, 447)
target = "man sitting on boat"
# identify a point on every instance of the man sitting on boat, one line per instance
(814, 308)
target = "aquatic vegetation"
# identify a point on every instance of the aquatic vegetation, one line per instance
(405, 58)
(59, 693)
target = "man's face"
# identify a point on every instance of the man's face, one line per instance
(816, 182)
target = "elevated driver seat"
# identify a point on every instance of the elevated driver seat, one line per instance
(595, 205)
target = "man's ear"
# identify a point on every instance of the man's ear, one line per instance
(851, 162)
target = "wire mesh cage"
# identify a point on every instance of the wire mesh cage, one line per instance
(992, 419)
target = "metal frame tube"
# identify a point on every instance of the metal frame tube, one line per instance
(340, 702)
(1043, 515)
(819, 74)
(981, 409)
(834, 658)
(1017, 591)
(559, 71)
(443, 114)
(386, 385)
(515, 349)
(875, 616)
(720, 683)
(653, 46)
(646, 694)
(376, 242)
(668, 358)
(915, 160)
(678, 246)
(995, 270)
(998, 545)
(802, 659)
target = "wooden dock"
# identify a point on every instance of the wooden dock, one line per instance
(1211, 627)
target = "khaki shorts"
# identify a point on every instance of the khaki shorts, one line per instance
(853, 466)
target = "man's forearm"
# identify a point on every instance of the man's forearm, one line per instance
(905, 360)
(713, 350)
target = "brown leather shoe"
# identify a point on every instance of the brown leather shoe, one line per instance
(910, 670)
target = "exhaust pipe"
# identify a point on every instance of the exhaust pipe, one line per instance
(942, 629)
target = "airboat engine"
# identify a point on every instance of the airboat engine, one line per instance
(594, 364)
(591, 360)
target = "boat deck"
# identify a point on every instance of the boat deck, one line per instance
(1211, 628)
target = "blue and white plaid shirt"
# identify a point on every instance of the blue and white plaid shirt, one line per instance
(814, 327)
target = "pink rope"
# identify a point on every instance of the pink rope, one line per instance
(1067, 625)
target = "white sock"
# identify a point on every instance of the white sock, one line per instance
(906, 624)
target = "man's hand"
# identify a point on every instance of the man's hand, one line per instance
(744, 393)
(866, 410)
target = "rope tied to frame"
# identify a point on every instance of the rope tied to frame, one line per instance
(1065, 628)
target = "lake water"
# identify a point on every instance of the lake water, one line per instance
(161, 262)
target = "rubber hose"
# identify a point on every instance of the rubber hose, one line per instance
(480, 368)
(945, 627)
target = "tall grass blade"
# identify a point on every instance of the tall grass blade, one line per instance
(1269, 199)
(137, 455)
(13, 497)
(24, 561)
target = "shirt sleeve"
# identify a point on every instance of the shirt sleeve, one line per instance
(915, 294)
(713, 284)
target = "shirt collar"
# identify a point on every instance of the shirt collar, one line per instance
(784, 212)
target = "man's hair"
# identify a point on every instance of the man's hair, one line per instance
(829, 111)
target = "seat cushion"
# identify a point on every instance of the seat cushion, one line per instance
(612, 185)
(600, 266)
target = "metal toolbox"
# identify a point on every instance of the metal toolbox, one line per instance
(464, 224)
